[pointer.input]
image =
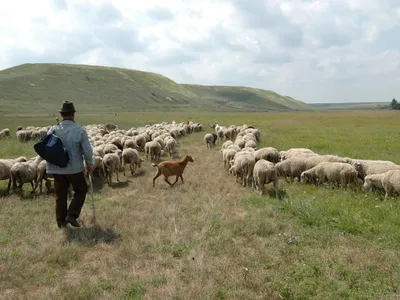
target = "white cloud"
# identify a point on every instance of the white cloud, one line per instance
(314, 50)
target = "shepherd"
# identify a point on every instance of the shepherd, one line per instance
(76, 141)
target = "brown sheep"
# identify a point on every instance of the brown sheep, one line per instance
(171, 168)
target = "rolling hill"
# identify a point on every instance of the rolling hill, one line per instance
(352, 105)
(34, 88)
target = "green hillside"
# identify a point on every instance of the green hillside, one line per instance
(33, 88)
(246, 98)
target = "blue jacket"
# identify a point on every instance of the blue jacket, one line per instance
(76, 141)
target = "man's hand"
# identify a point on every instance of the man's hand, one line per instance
(90, 169)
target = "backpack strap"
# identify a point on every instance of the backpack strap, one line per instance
(52, 129)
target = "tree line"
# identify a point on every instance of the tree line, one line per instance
(394, 104)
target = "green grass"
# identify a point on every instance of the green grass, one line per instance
(193, 241)
(40, 88)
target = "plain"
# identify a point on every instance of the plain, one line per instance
(210, 238)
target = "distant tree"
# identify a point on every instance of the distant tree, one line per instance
(394, 104)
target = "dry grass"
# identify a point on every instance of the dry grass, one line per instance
(159, 242)
(193, 241)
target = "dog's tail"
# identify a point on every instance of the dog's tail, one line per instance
(154, 165)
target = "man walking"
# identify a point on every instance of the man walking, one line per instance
(76, 142)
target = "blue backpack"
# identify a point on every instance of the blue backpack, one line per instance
(50, 147)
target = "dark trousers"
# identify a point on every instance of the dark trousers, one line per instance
(61, 184)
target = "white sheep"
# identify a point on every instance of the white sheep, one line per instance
(210, 139)
(234, 147)
(227, 156)
(251, 143)
(131, 157)
(314, 160)
(97, 166)
(389, 181)
(304, 152)
(267, 153)
(331, 172)
(226, 144)
(153, 149)
(5, 133)
(41, 175)
(368, 167)
(291, 167)
(111, 164)
(110, 148)
(264, 172)
(171, 146)
(160, 141)
(5, 167)
(373, 181)
(141, 140)
(98, 151)
(243, 165)
(23, 172)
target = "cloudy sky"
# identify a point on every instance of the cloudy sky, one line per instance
(316, 51)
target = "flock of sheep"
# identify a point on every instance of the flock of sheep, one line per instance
(113, 148)
(30, 133)
(258, 166)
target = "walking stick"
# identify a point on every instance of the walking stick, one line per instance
(91, 192)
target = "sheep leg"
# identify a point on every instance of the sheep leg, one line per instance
(108, 176)
(9, 185)
(249, 179)
(20, 187)
(158, 174)
(276, 188)
(14, 183)
(181, 178)
(132, 168)
(167, 181)
(262, 188)
(48, 185)
(117, 172)
(176, 179)
(34, 186)
(244, 176)
(124, 169)
(388, 190)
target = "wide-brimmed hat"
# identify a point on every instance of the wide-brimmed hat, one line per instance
(67, 107)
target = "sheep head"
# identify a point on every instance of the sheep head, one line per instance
(189, 158)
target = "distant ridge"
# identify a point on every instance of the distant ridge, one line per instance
(352, 105)
(42, 87)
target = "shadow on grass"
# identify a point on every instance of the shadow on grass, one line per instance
(4, 192)
(281, 193)
(90, 236)
(98, 183)
(117, 185)
(26, 195)
(138, 173)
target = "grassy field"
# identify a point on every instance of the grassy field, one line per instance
(194, 241)
(40, 88)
